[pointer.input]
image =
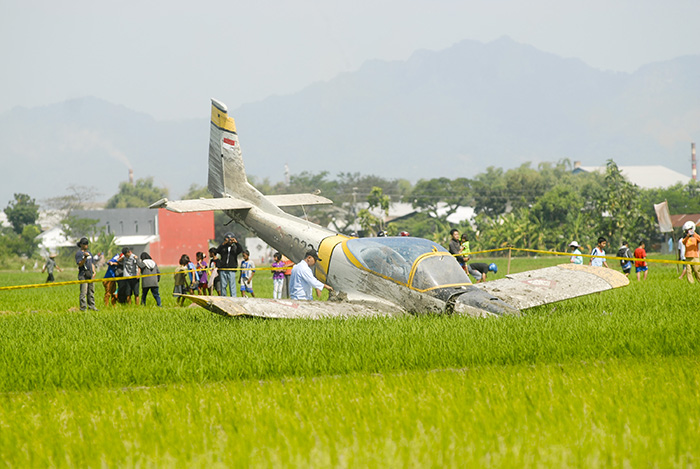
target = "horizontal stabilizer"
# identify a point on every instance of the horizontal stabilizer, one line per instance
(202, 205)
(230, 203)
(551, 284)
(292, 309)
(295, 200)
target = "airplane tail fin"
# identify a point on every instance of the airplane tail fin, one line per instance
(228, 183)
(226, 170)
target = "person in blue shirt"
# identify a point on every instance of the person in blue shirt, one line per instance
(110, 279)
(302, 280)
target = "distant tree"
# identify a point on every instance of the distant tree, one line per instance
(430, 194)
(76, 198)
(22, 211)
(140, 194)
(197, 191)
(105, 244)
(23, 244)
(618, 210)
(490, 192)
(375, 200)
(681, 198)
(75, 227)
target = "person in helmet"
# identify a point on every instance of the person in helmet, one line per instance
(691, 240)
(479, 270)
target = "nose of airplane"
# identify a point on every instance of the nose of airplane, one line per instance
(472, 301)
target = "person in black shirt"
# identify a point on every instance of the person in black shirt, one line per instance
(228, 253)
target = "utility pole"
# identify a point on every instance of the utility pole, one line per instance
(694, 172)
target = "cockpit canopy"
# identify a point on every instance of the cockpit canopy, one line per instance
(415, 262)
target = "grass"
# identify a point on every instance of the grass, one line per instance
(610, 379)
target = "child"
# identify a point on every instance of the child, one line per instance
(150, 282)
(193, 274)
(214, 282)
(203, 287)
(466, 251)
(641, 265)
(277, 276)
(599, 250)
(247, 275)
(180, 280)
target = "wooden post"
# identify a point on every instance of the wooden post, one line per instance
(508, 269)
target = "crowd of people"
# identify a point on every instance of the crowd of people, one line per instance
(687, 252)
(129, 275)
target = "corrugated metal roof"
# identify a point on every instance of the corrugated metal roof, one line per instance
(648, 177)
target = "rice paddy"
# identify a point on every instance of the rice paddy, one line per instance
(610, 379)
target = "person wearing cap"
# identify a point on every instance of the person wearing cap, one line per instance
(479, 270)
(49, 266)
(302, 279)
(86, 270)
(228, 253)
(691, 241)
(576, 257)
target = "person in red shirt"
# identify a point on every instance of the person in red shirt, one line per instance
(641, 265)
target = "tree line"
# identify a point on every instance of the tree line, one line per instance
(542, 207)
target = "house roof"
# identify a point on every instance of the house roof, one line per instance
(678, 220)
(648, 177)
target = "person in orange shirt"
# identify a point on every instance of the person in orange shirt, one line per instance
(287, 273)
(690, 241)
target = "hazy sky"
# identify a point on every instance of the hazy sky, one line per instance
(168, 58)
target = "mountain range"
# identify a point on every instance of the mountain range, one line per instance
(449, 113)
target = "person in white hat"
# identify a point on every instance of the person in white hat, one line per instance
(691, 240)
(576, 253)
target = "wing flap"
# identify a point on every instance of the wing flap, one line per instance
(538, 287)
(291, 309)
(202, 205)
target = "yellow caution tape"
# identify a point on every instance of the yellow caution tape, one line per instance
(116, 279)
(486, 251)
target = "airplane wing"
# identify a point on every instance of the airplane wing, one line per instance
(293, 309)
(543, 286)
(293, 200)
(231, 203)
(201, 205)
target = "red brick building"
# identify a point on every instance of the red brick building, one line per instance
(163, 234)
(181, 233)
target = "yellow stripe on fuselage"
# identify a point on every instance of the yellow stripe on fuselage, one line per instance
(221, 119)
(324, 252)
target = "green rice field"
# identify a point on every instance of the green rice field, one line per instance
(607, 380)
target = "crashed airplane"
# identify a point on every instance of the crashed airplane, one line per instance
(372, 276)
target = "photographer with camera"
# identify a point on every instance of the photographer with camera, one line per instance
(691, 240)
(228, 253)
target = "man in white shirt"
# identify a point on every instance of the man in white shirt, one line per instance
(302, 279)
